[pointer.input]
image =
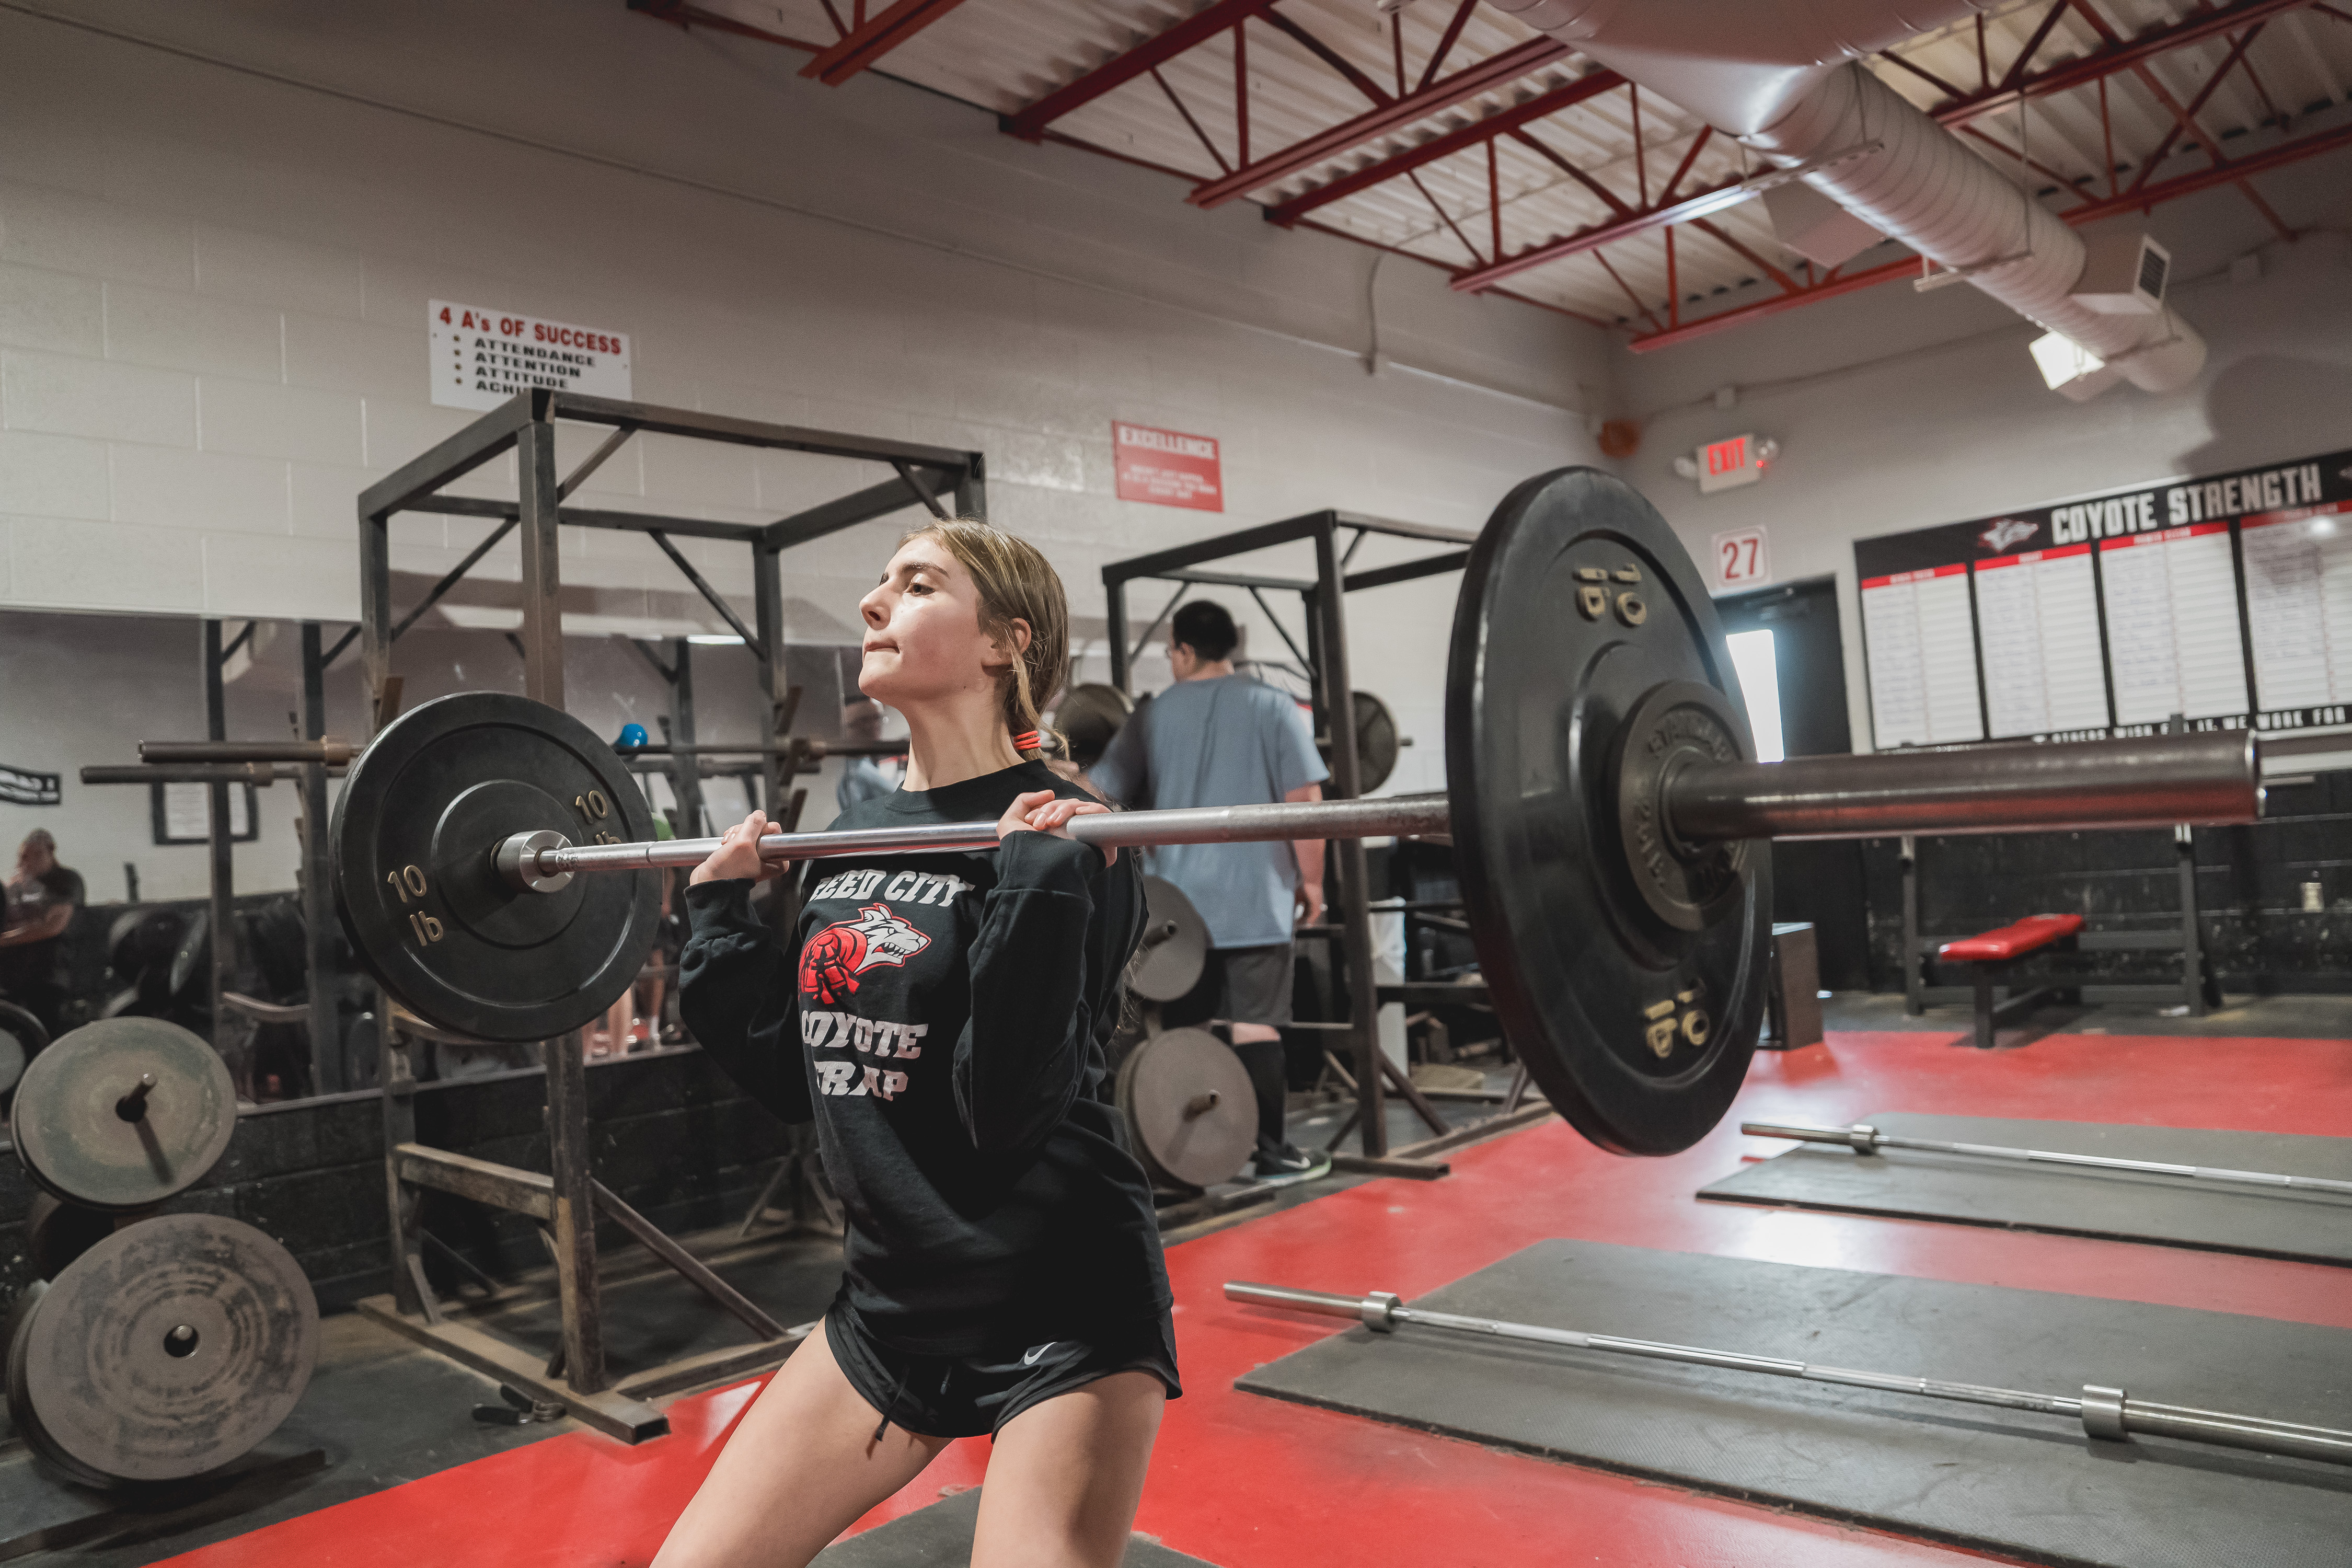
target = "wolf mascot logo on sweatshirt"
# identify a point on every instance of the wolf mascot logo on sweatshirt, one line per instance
(833, 958)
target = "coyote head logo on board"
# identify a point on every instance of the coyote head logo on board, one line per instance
(2009, 530)
(836, 956)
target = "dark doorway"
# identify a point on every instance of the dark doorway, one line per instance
(1821, 883)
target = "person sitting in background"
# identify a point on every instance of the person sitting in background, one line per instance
(1217, 738)
(864, 778)
(41, 902)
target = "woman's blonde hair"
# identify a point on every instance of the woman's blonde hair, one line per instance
(1015, 583)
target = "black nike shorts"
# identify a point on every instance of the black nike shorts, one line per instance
(967, 1396)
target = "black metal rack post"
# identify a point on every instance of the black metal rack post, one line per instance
(220, 853)
(1323, 597)
(329, 1071)
(568, 1199)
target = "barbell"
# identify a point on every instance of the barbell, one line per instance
(1603, 806)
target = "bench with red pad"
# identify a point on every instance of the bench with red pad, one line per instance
(1991, 952)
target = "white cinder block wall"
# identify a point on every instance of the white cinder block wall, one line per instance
(220, 224)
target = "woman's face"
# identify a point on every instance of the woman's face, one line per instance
(923, 640)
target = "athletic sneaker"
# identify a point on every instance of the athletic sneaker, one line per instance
(1289, 1164)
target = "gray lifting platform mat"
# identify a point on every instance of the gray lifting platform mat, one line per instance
(940, 1536)
(2028, 1485)
(2174, 1211)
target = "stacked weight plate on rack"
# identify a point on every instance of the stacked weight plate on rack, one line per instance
(153, 1347)
(1185, 1096)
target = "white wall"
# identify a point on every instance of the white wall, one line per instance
(1897, 410)
(214, 274)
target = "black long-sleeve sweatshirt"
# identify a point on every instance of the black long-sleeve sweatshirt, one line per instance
(942, 1017)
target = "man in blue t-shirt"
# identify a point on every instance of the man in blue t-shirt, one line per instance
(1216, 738)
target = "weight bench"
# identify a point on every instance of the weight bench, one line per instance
(1989, 954)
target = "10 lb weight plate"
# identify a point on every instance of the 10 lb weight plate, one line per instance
(1587, 664)
(1189, 1107)
(167, 1350)
(123, 1114)
(420, 818)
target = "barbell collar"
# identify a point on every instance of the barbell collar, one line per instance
(2151, 781)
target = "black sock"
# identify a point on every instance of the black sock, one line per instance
(1262, 1059)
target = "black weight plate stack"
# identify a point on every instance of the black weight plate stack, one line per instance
(83, 1130)
(1377, 742)
(167, 1350)
(21, 1039)
(58, 1232)
(192, 963)
(1088, 716)
(1578, 602)
(423, 812)
(1175, 946)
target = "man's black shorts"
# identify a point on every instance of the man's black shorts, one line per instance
(1238, 985)
(966, 1397)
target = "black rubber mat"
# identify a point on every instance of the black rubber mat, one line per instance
(2176, 1211)
(2026, 1485)
(940, 1536)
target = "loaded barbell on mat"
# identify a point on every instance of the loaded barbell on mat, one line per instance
(2107, 1413)
(1603, 807)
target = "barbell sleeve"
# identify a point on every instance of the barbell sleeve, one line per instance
(1322, 1303)
(2150, 781)
(2104, 1413)
(1865, 1138)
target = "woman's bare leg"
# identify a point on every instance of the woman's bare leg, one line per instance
(800, 1468)
(1066, 1476)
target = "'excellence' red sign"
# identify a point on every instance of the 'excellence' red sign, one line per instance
(1167, 468)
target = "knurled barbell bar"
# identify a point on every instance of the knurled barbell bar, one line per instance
(2104, 1413)
(1864, 1139)
(1603, 808)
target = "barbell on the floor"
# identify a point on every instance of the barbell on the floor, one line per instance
(2105, 1412)
(1864, 1139)
(1603, 807)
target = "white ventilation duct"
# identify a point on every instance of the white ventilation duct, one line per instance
(1780, 78)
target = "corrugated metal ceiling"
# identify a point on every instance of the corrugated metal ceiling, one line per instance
(1005, 55)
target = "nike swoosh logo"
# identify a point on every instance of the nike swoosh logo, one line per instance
(1029, 1357)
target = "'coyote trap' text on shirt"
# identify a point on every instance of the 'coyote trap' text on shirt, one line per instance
(941, 1017)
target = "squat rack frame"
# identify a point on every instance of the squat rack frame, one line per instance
(1323, 598)
(568, 1199)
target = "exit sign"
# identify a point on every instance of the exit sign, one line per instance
(1723, 464)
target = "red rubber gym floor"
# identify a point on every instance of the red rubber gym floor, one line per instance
(1246, 1481)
